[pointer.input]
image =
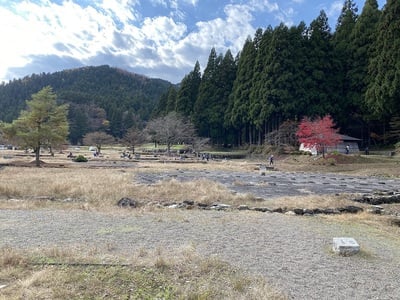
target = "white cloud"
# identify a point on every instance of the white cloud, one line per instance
(263, 5)
(115, 32)
(162, 29)
(191, 2)
(84, 33)
(286, 16)
(120, 9)
(334, 9)
(159, 2)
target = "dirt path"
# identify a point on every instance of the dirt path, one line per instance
(294, 253)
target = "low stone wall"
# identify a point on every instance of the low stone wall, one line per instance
(378, 198)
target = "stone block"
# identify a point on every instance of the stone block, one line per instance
(345, 246)
(263, 170)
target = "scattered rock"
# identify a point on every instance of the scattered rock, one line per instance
(243, 207)
(298, 211)
(330, 211)
(375, 209)
(127, 202)
(202, 205)
(378, 198)
(350, 209)
(220, 206)
(308, 212)
(262, 209)
(317, 211)
(290, 213)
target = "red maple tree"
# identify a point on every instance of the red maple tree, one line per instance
(319, 133)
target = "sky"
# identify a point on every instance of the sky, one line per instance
(156, 38)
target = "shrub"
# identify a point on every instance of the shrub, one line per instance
(331, 161)
(80, 158)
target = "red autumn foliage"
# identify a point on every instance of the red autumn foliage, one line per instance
(320, 132)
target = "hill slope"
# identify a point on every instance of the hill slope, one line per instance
(98, 96)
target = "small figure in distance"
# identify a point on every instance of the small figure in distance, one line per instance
(271, 160)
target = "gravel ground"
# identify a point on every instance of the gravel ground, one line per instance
(293, 253)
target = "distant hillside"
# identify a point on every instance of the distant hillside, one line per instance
(98, 96)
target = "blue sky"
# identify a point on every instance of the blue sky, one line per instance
(156, 38)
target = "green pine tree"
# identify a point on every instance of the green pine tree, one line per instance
(43, 123)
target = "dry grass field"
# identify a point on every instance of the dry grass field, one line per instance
(63, 184)
(101, 182)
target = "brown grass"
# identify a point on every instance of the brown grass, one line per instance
(181, 274)
(99, 188)
(76, 185)
(313, 202)
(68, 273)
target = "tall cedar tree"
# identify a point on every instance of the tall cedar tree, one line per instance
(226, 76)
(343, 58)
(43, 123)
(363, 36)
(171, 99)
(215, 87)
(320, 87)
(383, 93)
(188, 92)
(319, 133)
(275, 92)
(297, 107)
(207, 95)
(237, 114)
(259, 109)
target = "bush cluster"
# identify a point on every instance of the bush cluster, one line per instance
(80, 158)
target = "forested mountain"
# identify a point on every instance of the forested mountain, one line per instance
(286, 73)
(99, 98)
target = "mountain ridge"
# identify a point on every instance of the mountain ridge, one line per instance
(113, 96)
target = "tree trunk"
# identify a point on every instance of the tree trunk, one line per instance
(37, 156)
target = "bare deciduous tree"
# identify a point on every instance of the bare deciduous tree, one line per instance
(171, 129)
(133, 137)
(98, 138)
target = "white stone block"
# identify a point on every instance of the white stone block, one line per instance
(263, 170)
(345, 246)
